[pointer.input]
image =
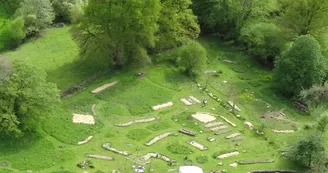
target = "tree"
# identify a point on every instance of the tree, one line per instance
(308, 151)
(37, 14)
(192, 58)
(263, 40)
(24, 98)
(177, 24)
(9, 6)
(120, 31)
(300, 67)
(227, 17)
(62, 9)
(12, 32)
(303, 17)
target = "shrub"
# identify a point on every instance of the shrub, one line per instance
(300, 67)
(262, 40)
(12, 33)
(192, 59)
(202, 159)
(177, 148)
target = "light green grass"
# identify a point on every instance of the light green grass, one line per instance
(57, 54)
(132, 99)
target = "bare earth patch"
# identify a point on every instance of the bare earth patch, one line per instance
(204, 117)
(83, 119)
(99, 89)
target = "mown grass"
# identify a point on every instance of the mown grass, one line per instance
(132, 99)
(57, 54)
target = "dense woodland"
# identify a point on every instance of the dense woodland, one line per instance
(287, 36)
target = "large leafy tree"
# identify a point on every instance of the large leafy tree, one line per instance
(24, 98)
(227, 17)
(308, 151)
(177, 24)
(38, 14)
(119, 30)
(300, 67)
(305, 16)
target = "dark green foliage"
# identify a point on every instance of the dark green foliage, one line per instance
(24, 98)
(227, 17)
(202, 159)
(308, 151)
(177, 24)
(177, 148)
(303, 17)
(37, 14)
(62, 9)
(300, 67)
(138, 134)
(119, 31)
(11, 33)
(263, 40)
(192, 59)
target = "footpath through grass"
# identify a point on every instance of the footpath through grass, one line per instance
(55, 149)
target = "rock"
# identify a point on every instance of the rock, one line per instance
(224, 171)
(213, 109)
(220, 164)
(28, 171)
(238, 116)
(196, 123)
(115, 171)
(233, 165)
(225, 81)
(175, 120)
(200, 131)
(199, 85)
(244, 151)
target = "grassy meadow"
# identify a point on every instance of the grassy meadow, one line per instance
(53, 148)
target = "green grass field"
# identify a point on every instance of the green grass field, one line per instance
(54, 147)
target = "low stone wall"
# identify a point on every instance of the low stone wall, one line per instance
(283, 131)
(247, 162)
(197, 145)
(147, 120)
(228, 155)
(214, 124)
(99, 157)
(187, 132)
(218, 128)
(157, 156)
(85, 141)
(273, 171)
(161, 106)
(99, 89)
(233, 135)
(107, 146)
(229, 122)
(158, 138)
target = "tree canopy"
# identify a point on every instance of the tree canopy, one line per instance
(300, 67)
(24, 98)
(119, 30)
(303, 17)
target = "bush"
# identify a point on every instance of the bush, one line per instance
(202, 159)
(192, 59)
(262, 40)
(38, 14)
(12, 33)
(177, 148)
(62, 9)
(300, 67)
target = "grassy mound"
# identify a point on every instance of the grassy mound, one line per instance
(138, 134)
(177, 148)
